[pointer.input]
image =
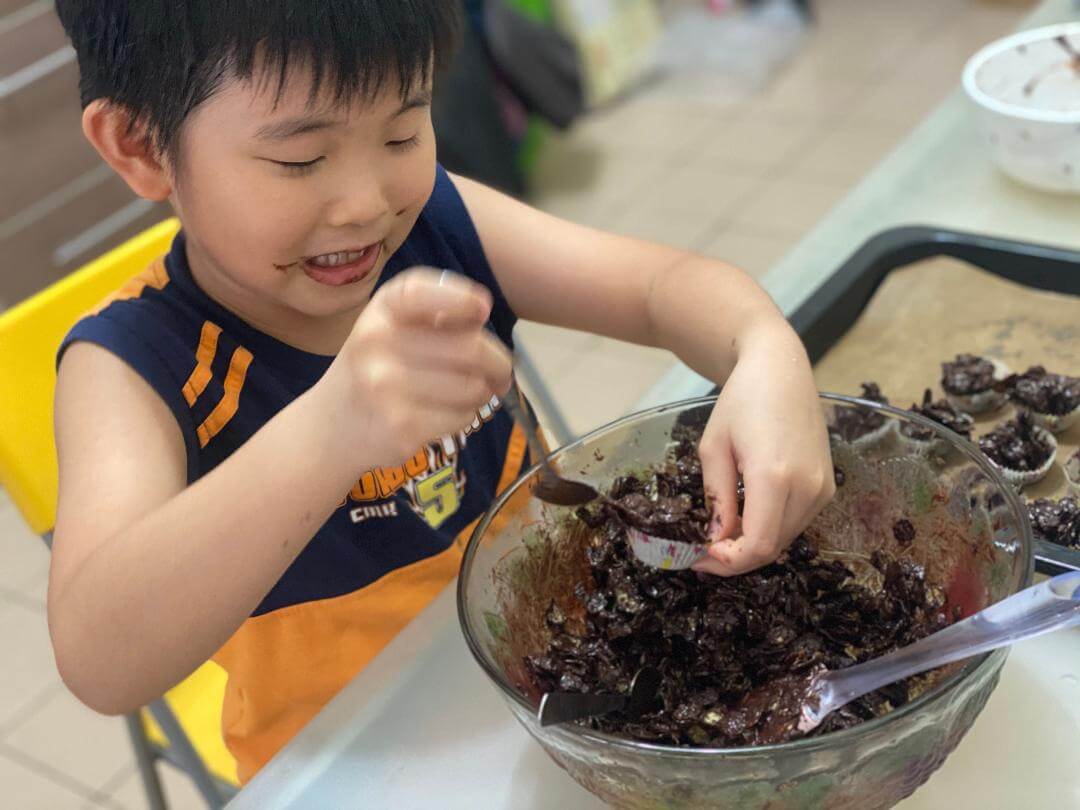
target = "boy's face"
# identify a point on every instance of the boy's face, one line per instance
(292, 207)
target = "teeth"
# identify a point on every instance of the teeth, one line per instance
(336, 259)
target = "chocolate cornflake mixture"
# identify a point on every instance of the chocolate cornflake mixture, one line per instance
(1017, 445)
(669, 503)
(941, 412)
(850, 424)
(967, 374)
(735, 654)
(1056, 521)
(1041, 391)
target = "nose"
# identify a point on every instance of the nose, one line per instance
(360, 201)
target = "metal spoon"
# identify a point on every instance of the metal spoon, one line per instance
(1050, 605)
(562, 707)
(550, 487)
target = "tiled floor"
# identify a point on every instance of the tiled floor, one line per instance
(739, 180)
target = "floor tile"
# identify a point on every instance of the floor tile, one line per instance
(608, 382)
(844, 156)
(665, 226)
(583, 183)
(25, 789)
(809, 96)
(790, 205)
(180, 793)
(648, 121)
(554, 352)
(900, 103)
(686, 205)
(757, 141)
(70, 737)
(23, 555)
(698, 188)
(32, 669)
(752, 251)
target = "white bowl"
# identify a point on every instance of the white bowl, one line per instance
(1027, 91)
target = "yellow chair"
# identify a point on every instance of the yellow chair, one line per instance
(184, 727)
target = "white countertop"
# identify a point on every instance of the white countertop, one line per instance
(421, 727)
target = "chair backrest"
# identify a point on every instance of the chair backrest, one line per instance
(30, 335)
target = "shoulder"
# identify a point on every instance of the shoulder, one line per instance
(143, 333)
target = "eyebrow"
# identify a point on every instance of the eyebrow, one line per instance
(292, 127)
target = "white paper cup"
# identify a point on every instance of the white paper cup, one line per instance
(1072, 473)
(875, 436)
(668, 555)
(867, 440)
(934, 446)
(1025, 478)
(982, 401)
(1052, 422)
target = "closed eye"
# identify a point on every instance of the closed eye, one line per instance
(300, 167)
(402, 146)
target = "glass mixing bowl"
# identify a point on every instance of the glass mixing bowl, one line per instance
(972, 537)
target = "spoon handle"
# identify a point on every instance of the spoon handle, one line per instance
(1050, 605)
(512, 401)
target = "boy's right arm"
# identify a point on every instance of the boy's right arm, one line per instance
(150, 576)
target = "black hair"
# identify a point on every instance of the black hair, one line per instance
(161, 59)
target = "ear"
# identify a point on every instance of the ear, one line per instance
(125, 148)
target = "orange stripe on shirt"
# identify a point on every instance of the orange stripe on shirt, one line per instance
(204, 360)
(230, 403)
(155, 276)
(515, 455)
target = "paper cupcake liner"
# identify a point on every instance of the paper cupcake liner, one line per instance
(668, 555)
(875, 436)
(1024, 478)
(1072, 473)
(1052, 422)
(983, 401)
(934, 446)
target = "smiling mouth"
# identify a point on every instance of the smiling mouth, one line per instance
(341, 267)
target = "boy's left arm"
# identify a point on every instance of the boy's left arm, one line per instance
(768, 424)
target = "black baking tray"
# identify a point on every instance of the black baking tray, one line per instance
(832, 310)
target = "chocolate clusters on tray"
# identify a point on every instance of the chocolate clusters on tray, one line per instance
(853, 424)
(1040, 391)
(1017, 445)
(943, 412)
(967, 374)
(1056, 521)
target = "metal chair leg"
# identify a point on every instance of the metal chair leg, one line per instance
(144, 758)
(181, 750)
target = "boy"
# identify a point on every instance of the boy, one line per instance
(289, 350)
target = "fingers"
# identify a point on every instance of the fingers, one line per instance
(427, 298)
(449, 390)
(720, 474)
(730, 558)
(779, 506)
(476, 353)
(761, 542)
(811, 493)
